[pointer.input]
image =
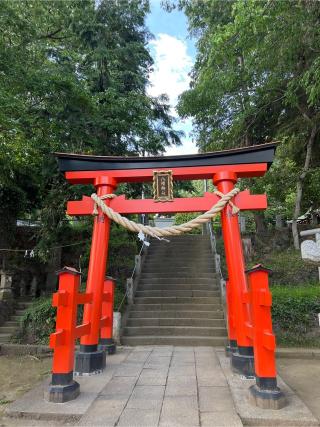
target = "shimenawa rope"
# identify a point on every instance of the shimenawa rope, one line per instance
(166, 231)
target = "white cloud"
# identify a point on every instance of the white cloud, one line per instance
(171, 67)
(172, 63)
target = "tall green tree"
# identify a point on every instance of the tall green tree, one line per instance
(73, 78)
(256, 78)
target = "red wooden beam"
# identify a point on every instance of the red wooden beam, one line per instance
(244, 201)
(83, 329)
(183, 173)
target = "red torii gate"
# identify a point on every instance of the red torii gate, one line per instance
(224, 168)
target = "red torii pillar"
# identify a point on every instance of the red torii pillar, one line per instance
(90, 359)
(242, 360)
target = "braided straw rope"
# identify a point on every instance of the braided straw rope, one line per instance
(166, 231)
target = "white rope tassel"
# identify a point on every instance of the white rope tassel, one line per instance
(167, 231)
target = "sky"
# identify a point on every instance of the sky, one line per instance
(173, 54)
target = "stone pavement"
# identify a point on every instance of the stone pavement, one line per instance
(171, 386)
(165, 386)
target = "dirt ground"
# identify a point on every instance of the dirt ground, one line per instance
(302, 375)
(19, 374)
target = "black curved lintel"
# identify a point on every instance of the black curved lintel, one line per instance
(263, 153)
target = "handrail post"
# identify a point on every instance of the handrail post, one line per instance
(106, 333)
(231, 319)
(62, 387)
(265, 393)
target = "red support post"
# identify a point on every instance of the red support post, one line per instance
(265, 393)
(106, 334)
(242, 361)
(231, 319)
(90, 360)
(62, 387)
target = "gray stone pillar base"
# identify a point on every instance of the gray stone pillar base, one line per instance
(266, 399)
(89, 360)
(108, 345)
(242, 362)
(62, 388)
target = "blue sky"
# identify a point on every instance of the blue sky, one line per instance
(174, 54)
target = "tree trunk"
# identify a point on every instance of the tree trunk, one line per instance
(260, 222)
(300, 182)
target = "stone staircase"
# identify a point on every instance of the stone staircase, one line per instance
(177, 301)
(10, 326)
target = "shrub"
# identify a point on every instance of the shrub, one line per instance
(37, 323)
(295, 314)
(287, 267)
(181, 218)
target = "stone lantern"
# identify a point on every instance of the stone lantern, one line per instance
(5, 285)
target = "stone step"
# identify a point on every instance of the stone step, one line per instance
(179, 256)
(175, 307)
(177, 280)
(165, 275)
(171, 261)
(194, 331)
(24, 304)
(177, 300)
(185, 243)
(179, 271)
(151, 293)
(170, 314)
(7, 329)
(176, 321)
(5, 337)
(176, 340)
(16, 318)
(177, 287)
(11, 323)
(19, 313)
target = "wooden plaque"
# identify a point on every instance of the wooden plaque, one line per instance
(162, 186)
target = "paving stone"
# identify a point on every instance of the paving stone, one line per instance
(138, 348)
(139, 418)
(146, 397)
(129, 370)
(179, 359)
(117, 358)
(179, 411)
(105, 411)
(184, 370)
(215, 399)
(184, 349)
(153, 377)
(213, 380)
(220, 419)
(181, 386)
(138, 357)
(119, 386)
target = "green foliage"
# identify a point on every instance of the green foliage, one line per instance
(38, 322)
(286, 265)
(181, 218)
(295, 314)
(255, 80)
(73, 78)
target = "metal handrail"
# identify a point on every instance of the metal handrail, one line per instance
(131, 277)
(217, 262)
